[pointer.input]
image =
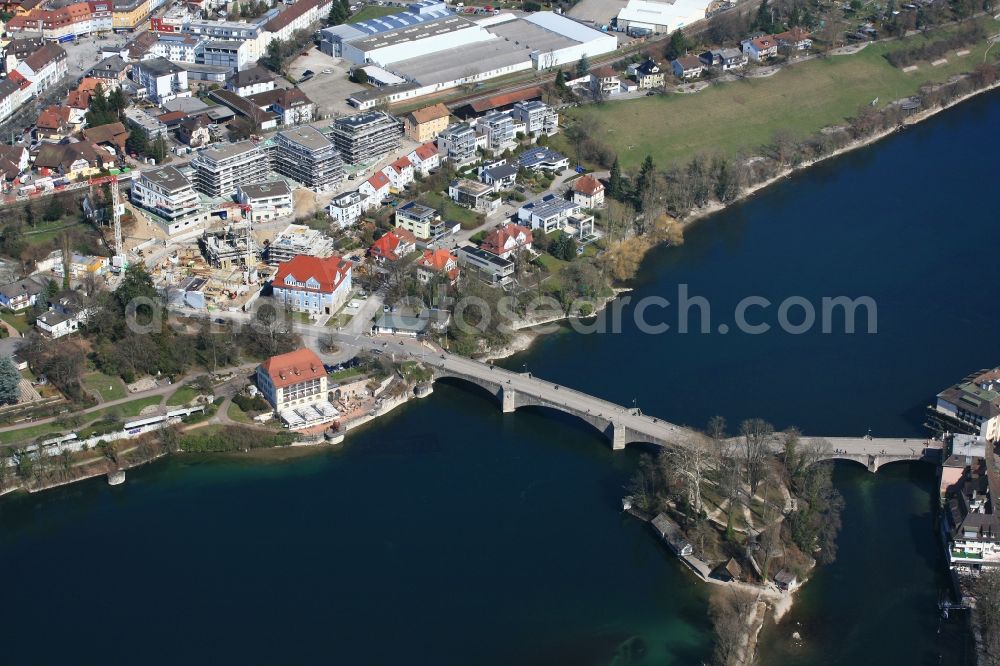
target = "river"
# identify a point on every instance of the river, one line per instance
(452, 534)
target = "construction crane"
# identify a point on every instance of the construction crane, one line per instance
(119, 262)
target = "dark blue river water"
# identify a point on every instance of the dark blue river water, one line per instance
(452, 534)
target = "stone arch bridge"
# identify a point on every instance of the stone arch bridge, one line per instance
(624, 425)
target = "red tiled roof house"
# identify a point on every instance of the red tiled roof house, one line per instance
(507, 240)
(393, 245)
(588, 192)
(438, 263)
(313, 285)
(295, 379)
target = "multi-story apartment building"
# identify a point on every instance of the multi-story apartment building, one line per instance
(176, 47)
(366, 137)
(221, 169)
(498, 128)
(972, 406)
(43, 68)
(457, 144)
(230, 54)
(969, 484)
(538, 118)
(425, 124)
(267, 201)
(307, 156)
(129, 14)
(65, 22)
(162, 79)
(347, 208)
(422, 221)
(167, 193)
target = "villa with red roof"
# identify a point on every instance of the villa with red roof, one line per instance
(296, 385)
(438, 263)
(588, 192)
(507, 240)
(376, 188)
(311, 284)
(399, 173)
(393, 245)
(425, 157)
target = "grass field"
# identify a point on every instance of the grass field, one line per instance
(451, 211)
(236, 414)
(44, 232)
(18, 321)
(374, 11)
(110, 388)
(182, 396)
(744, 115)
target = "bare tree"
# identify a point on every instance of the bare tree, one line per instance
(729, 611)
(691, 461)
(756, 435)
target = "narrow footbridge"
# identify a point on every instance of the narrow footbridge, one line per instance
(625, 425)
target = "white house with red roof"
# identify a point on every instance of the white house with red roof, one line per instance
(425, 158)
(399, 173)
(393, 245)
(438, 263)
(296, 385)
(507, 240)
(311, 284)
(760, 48)
(588, 192)
(376, 188)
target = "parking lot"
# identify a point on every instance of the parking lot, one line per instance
(328, 91)
(597, 11)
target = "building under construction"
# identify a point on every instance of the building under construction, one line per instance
(298, 239)
(220, 170)
(307, 156)
(366, 137)
(229, 248)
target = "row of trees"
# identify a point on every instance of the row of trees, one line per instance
(281, 51)
(970, 34)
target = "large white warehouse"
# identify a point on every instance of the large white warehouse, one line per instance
(557, 40)
(414, 41)
(661, 16)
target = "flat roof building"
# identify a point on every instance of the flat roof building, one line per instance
(366, 137)
(308, 156)
(221, 169)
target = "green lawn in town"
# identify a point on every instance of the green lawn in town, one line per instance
(451, 211)
(236, 414)
(374, 11)
(17, 320)
(182, 396)
(110, 388)
(744, 115)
